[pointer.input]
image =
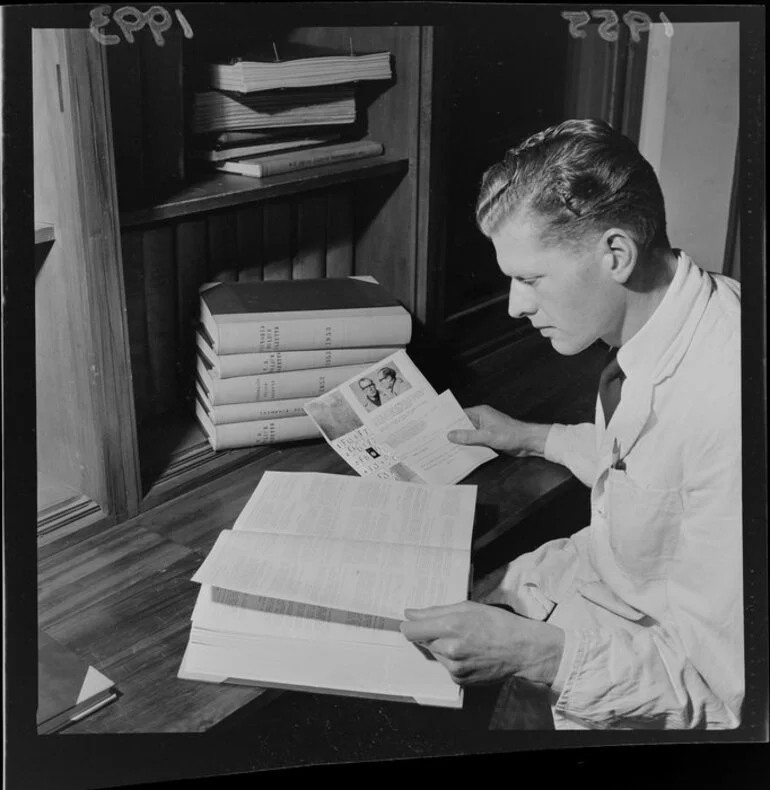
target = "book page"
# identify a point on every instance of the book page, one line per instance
(389, 422)
(372, 578)
(338, 506)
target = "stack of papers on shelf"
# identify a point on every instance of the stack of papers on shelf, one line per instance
(215, 111)
(300, 66)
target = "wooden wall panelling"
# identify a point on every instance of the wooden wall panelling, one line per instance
(191, 273)
(277, 255)
(126, 100)
(163, 110)
(161, 299)
(249, 242)
(386, 209)
(222, 247)
(86, 420)
(339, 233)
(136, 311)
(309, 259)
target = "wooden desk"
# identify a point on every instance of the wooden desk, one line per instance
(121, 596)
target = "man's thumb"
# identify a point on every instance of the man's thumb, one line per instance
(467, 436)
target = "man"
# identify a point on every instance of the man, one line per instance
(391, 384)
(372, 400)
(636, 621)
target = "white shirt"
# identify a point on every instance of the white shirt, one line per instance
(650, 595)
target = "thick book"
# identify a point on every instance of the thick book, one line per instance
(227, 366)
(293, 65)
(272, 386)
(214, 111)
(251, 412)
(253, 433)
(300, 159)
(297, 315)
(69, 688)
(308, 589)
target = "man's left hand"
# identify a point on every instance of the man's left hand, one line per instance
(484, 644)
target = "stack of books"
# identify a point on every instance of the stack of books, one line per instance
(267, 348)
(267, 115)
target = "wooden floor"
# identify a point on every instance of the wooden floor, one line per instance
(121, 596)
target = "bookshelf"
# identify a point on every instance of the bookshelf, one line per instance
(129, 227)
(116, 431)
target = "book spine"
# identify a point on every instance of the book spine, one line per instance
(252, 434)
(278, 386)
(313, 333)
(253, 412)
(299, 160)
(231, 365)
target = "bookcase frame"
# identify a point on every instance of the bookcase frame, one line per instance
(90, 440)
(98, 310)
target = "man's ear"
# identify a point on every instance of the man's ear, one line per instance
(620, 254)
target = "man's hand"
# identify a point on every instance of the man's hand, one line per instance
(501, 432)
(485, 644)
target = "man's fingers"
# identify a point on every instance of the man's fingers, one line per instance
(432, 611)
(467, 436)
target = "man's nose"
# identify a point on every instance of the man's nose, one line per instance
(521, 300)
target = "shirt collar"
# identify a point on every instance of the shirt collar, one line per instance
(643, 352)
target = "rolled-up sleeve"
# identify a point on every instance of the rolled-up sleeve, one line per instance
(574, 446)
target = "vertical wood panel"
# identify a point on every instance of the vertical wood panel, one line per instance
(126, 99)
(310, 249)
(277, 241)
(160, 294)
(86, 419)
(249, 243)
(163, 110)
(133, 273)
(222, 245)
(190, 275)
(339, 233)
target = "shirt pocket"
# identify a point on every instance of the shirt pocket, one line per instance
(644, 525)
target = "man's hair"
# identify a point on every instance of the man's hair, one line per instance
(388, 372)
(575, 178)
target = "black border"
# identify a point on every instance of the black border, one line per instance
(112, 761)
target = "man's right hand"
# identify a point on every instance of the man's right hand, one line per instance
(502, 433)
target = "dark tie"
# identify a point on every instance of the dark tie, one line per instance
(610, 383)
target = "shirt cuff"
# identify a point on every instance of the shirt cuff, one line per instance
(565, 666)
(554, 444)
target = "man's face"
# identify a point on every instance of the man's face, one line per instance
(369, 389)
(569, 296)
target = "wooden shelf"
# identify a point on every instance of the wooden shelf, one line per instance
(212, 191)
(44, 233)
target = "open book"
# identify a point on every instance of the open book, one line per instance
(389, 422)
(308, 589)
